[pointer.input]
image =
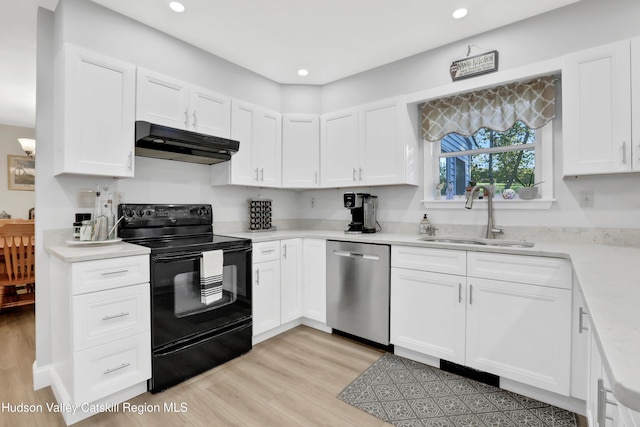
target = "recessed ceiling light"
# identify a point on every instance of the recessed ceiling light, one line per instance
(302, 72)
(176, 6)
(459, 13)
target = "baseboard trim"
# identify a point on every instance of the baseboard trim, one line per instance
(41, 376)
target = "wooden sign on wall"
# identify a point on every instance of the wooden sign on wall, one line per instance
(474, 66)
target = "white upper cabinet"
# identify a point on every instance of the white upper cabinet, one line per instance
(300, 151)
(210, 112)
(596, 110)
(258, 161)
(369, 145)
(94, 126)
(339, 149)
(170, 102)
(384, 143)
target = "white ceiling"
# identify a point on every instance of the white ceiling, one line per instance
(331, 38)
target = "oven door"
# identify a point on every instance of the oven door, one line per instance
(177, 311)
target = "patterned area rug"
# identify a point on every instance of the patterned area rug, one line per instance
(407, 394)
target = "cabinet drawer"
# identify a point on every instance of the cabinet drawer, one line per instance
(266, 251)
(99, 275)
(109, 368)
(542, 271)
(429, 259)
(102, 317)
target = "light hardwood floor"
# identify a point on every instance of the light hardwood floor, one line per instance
(290, 380)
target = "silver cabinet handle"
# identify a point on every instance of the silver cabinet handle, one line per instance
(186, 117)
(124, 365)
(470, 294)
(130, 161)
(108, 273)
(360, 174)
(262, 174)
(266, 251)
(256, 172)
(115, 316)
(600, 403)
(459, 292)
(257, 276)
(354, 174)
(195, 119)
(315, 177)
(581, 326)
(284, 249)
(603, 402)
(624, 152)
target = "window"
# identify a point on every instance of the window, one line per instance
(508, 159)
(500, 136)
(501, 159)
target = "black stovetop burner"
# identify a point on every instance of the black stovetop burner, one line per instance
(169, 227)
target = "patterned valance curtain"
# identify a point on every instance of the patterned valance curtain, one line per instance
(496, 108)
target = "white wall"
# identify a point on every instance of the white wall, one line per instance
(548, 36)
(14, 202)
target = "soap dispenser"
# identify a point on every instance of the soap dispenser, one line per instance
(425, 225)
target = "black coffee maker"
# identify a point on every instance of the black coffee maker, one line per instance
(363, 212)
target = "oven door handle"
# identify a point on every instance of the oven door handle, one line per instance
(171, 258)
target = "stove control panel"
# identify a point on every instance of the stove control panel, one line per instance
(141, 216)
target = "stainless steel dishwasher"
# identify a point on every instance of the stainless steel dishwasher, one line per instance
(358, 276)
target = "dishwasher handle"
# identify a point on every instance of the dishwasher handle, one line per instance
(349, 254)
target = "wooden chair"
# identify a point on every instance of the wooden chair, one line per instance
(17, 284)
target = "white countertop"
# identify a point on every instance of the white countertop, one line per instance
(607, 275)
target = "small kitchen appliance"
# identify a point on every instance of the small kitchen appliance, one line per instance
(363, 208)
(190, 335)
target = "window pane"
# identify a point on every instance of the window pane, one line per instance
(500, 169)
(519, 134)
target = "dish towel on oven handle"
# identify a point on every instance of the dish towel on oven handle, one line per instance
(211, 276)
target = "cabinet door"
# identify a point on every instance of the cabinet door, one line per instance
(266, 296)
(635, 102)
(339, 149)
(243, 119)
(594, 374)
(428, 313)
(382, 153)
(269, 148)
(210, 112)
(596, 112)
(300, 151)
(315, 279)
(290, 280)
(95, 126)
(519, 331)
(162, 100)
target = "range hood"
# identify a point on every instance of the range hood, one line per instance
(163, 142)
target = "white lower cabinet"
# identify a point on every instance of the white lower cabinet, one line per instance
(266, 286)
(102, 332)
(281, 290)
(290, 280)
(603, 410)
(428, 313)
(521, 332)
(314, 283)
(509, 315)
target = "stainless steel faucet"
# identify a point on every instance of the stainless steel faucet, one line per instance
(491, 231)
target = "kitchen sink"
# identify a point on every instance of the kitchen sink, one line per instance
(478, 241)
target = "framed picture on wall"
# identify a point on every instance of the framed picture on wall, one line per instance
(22, 173)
